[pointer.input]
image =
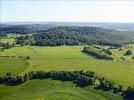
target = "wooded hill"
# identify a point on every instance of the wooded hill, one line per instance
(77, 36)
(50, 35)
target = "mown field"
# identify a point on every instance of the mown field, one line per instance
(69, 58)
(48, 89)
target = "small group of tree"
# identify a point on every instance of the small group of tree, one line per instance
(96, 53)
(3, 36)
(120, 49)
(24, 40)
(128, 47)
(128, 52)
(122, 58)
(24, 57)
(6, 45)
(8, 56)
(129, 93)
(108, 86)
(27, 57)
(108, 51)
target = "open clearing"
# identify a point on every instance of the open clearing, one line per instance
(70, 58)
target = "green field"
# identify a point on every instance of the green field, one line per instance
(10, 38)
(69, 58)
(52, 90)
(13, 65)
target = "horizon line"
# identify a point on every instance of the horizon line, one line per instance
(61, 22)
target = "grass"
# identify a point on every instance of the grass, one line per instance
(48, 89)
(119, 54)
(7, 40)
(69, 58)
(12, 65)
(10, 38)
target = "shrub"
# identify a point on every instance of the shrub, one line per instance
(129, 52)
(122, 58)
(120, 49)
(27, 57)
(129, 93)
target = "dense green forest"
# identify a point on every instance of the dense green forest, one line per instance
(23, 28)
(43, 35)
(77, 36)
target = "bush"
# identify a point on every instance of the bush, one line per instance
(27, 57)
(129, 93)
(120, 49)
(83, 81)
(122, 58)
(129, 52)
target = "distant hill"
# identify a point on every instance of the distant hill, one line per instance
(23, 28)
(116, 26)
(76, 35)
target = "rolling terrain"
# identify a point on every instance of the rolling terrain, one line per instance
(52, 90)
(46, 49)
(70, 58)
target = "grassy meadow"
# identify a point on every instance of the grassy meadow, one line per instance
(13, 65)
(70, 58)
(48, 89)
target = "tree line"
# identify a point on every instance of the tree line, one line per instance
(98, 53)
(80, 78)
(6, 45)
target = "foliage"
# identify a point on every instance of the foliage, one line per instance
(68, 58)
(23, 28)
(74, 35)
(129, 93)
(48, 89)
(6, 45)
(80, 78)
(99, 54)
(129, 52)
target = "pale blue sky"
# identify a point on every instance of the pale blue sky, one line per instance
(76, 11)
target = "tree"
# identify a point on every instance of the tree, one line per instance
(129, 52)
(129, 93)
(84, 81)
(28, 57)
(120, 88)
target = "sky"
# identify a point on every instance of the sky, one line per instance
(66, 11)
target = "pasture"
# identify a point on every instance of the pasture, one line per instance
(70, 58)
(12, 65)
(48, 89)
